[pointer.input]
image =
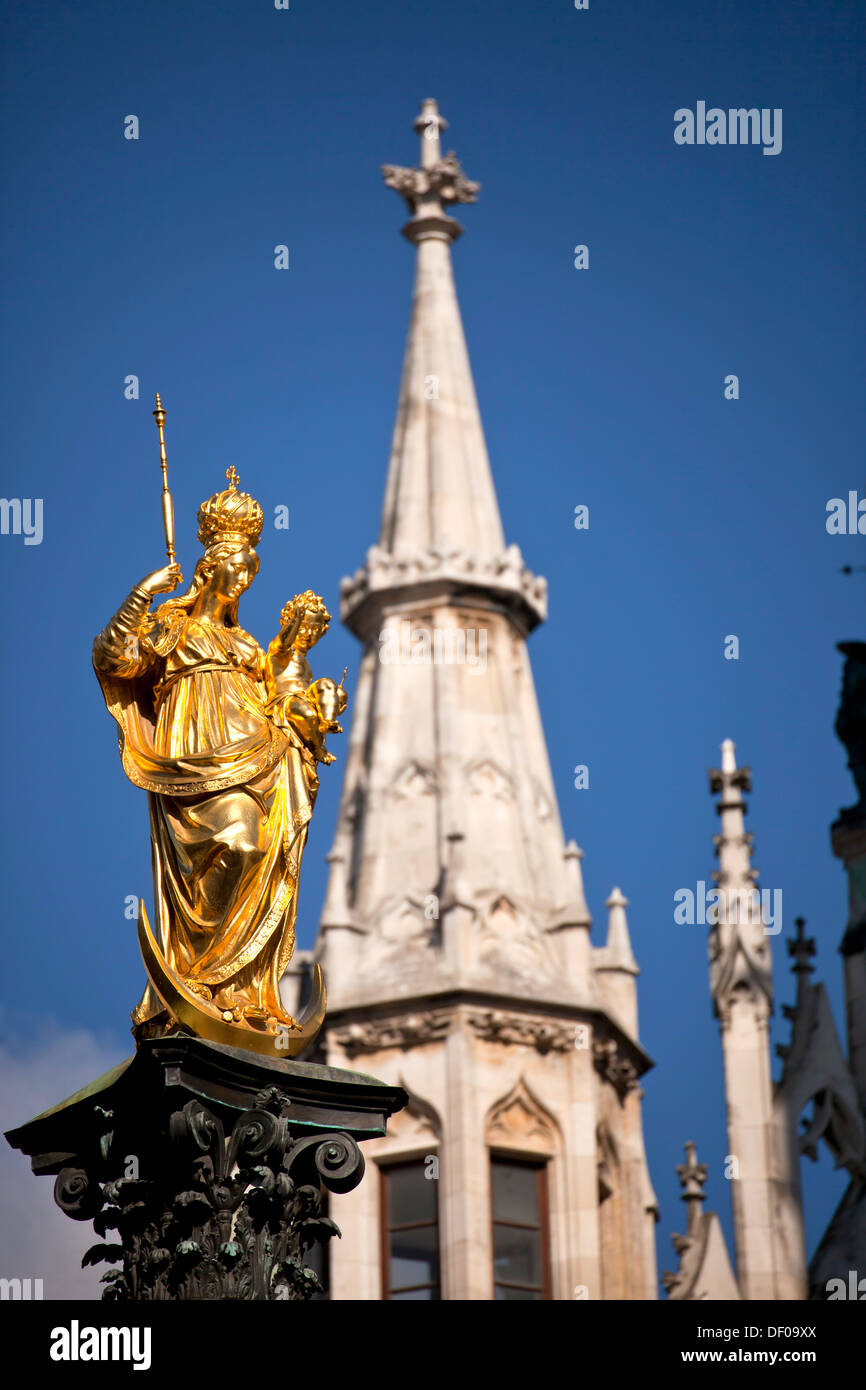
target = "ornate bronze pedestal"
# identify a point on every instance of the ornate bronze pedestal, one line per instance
(202, 1167)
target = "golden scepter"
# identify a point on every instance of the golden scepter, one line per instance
(167, 504)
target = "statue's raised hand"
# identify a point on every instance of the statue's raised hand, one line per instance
(291, 627)
(161, 581)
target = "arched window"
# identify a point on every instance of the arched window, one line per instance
(523, 1139)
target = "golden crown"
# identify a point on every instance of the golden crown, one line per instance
(230, 516)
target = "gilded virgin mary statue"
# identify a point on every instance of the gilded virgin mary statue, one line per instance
(226, 740)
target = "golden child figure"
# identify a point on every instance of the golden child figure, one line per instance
(311, 706)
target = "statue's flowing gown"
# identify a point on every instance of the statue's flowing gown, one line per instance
(230, 798)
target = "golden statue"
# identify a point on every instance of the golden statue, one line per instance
(226, 742)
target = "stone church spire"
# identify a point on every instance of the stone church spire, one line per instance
(739, 945)
(440, 520)
(455, 939)
(448, 779)
(770, 1257)
(440, 488)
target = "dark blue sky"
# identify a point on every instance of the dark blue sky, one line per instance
(605, 387)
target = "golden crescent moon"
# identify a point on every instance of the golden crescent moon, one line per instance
(187, 1009)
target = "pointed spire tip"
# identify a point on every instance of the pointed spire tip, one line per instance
(618, 950)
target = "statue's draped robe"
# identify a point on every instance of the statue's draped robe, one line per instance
(230, 797)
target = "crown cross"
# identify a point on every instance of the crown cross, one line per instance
(230, 515)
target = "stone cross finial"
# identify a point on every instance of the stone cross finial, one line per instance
(801, 948)
(692, 1175)
(438, 181)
